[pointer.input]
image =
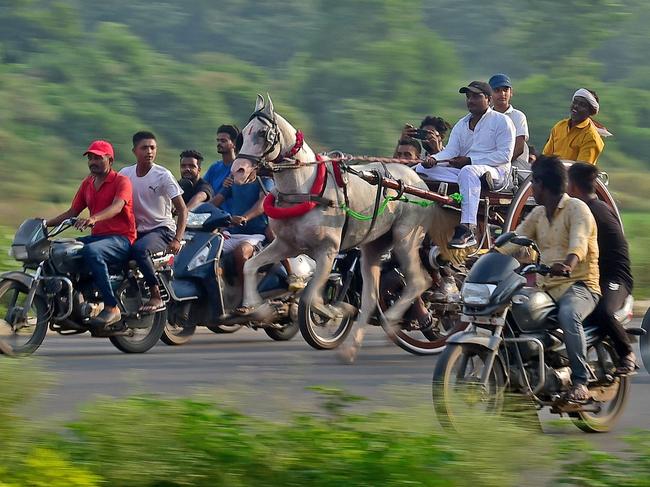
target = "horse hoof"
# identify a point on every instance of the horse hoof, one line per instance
(348, 355)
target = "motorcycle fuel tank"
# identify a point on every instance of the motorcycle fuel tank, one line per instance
(65, 255)
(531, 309)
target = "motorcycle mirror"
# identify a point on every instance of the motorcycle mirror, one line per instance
(504, 238)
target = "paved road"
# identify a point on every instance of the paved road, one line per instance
(261, 376)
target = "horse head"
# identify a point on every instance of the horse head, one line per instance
(260, 142)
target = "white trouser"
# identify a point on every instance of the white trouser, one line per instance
(469, 183)
(231, 241)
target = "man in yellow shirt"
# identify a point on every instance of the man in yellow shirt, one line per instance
(577, 138)
(565, 232)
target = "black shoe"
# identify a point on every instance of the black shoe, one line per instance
(463, 238)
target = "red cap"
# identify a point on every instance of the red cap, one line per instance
(100, 148)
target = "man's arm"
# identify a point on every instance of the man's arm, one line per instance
(106, 214)
(197, 199)
(549, 148)
(181, 220)
(70, 213)
(520, 142)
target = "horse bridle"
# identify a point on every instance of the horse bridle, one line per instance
(272, 138)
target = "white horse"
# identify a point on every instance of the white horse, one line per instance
(319, 233)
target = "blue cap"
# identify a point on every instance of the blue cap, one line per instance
(499, 81)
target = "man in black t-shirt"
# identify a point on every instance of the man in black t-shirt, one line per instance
(613, 262)
(195, 189)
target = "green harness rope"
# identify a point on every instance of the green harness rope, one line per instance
(424, 204)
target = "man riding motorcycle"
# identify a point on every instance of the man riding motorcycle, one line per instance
(565, 232)
(108, 196)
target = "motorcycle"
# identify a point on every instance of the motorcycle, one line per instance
(55, 291)
(203, 292)
(326, 327)
(513, 344)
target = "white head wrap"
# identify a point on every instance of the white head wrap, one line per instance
(586, 94)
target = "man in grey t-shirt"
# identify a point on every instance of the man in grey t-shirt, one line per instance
(502, 94)
(155, 192)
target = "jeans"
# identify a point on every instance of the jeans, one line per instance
(149, 243)
(573, 307)
(614, 295)
(101, 251)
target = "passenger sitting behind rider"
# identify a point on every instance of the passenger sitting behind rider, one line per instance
(432, 133)
(155, 191)
(480, 146)
(248, 219)
(109, 199)
(565, 232)
(613, 262)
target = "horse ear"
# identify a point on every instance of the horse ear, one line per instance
(259, 103)
(269, 106)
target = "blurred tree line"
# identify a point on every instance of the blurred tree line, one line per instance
(348, 73)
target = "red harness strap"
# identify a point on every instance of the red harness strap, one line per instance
(298, 209)
(338, 177)
(300, 139)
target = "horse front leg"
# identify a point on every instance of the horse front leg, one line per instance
(275, 252)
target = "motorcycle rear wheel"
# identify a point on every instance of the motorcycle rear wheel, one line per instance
(604, 420)
(456, 391)
(26, 339)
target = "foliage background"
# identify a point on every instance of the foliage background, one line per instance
(350, 74)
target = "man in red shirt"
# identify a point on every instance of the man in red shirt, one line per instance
(109, 199)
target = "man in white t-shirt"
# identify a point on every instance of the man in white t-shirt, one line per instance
(479, 148)
(155, 193)
(502, 94)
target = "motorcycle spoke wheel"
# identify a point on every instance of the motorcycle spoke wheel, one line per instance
(616, 394)
(20, 337)
(322, 332)
(457, 388)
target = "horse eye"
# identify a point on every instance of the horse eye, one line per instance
(261, 133)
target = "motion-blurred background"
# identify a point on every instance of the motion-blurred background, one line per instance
(349, 73)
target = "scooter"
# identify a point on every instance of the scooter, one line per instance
(204, 292)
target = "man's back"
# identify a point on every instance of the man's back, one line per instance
(614, 257)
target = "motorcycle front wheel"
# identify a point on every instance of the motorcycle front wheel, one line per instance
(175, 335)
(323, 332)
(146, 333)
(457, 390)
(20, 337)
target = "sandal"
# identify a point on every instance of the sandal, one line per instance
(578, 393)
(628, 365)
(150, 308)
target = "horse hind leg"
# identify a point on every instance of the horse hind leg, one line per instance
(406, 249)
(370, 271)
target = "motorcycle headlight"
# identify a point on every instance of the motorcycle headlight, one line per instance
(477, 294)
(18, 252)
(196, 220)
(199, 259)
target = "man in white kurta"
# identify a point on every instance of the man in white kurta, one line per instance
(480, 145)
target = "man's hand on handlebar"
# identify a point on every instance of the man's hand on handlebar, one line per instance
(174, 246)
(238, 221)
(560, 270)
(83, 223)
